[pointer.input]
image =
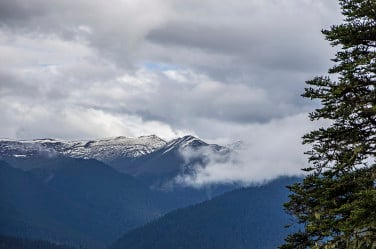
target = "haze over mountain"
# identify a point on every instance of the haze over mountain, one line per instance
(245, 218)
(182, 161)
(149, 158)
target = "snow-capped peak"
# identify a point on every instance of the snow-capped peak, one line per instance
(183, 142)
(191, 141)
(106, 149)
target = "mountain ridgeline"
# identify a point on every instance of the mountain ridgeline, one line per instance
(91, 193)
(148, 158)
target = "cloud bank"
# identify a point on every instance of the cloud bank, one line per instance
(272, 150)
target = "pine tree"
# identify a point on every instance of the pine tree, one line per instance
(335, 204)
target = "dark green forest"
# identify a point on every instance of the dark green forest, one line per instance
(246, 218)
(9, 242)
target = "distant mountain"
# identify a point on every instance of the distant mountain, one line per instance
(251, 217)
(82, 201)
(103, 149)
(9, 242)
(159, 169)
(120, 201)
(66, 195)
(148, 158)
(74, 201)
(162, 165)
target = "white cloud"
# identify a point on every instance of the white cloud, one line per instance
(273, 149)
(75, 123)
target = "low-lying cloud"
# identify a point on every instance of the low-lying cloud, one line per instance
(271, 150)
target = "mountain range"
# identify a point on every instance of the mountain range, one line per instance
(105, 150)
(91, 193)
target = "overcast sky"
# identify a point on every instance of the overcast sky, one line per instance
(220, 70)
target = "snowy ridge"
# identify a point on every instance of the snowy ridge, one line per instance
(193, 143)
(102, 149)
(181, 143)
(109, 149)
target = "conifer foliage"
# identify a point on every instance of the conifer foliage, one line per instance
(335, 205)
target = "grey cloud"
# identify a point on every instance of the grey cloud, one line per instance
(197, 97)
(115, 29)
(13, 86)
(253, 47)
(11, 11)
(256, 32)
(271, 34)
(9, 83)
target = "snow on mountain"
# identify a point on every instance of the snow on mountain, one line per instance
(184, 142)
(103, 149)
(120, 152)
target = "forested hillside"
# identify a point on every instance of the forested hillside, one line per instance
(251, 217)
(9, 242)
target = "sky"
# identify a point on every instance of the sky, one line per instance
(220, 70)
